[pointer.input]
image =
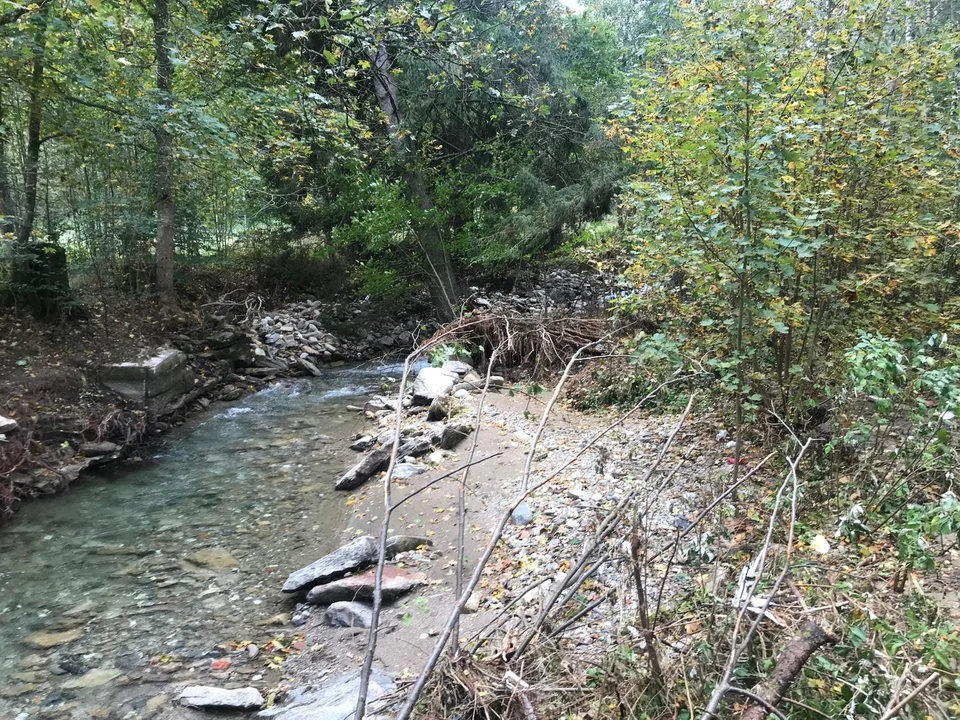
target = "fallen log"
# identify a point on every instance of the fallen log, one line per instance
(792, 659)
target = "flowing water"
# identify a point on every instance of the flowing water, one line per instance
(140, 576)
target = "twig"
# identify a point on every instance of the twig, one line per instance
(737, 649)
(407, 709)
(462, 491)
(900, 705)
(371, 649)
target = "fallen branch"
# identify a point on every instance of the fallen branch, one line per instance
(792, 659)
(903, 703)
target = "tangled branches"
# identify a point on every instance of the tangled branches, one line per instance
(534, 343)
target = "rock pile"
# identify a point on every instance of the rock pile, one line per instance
(297, 336)
(577, 292)
(438, 428)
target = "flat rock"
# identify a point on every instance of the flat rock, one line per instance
(215, 557)
(348, 614)
(363, 443)
(92, 449)
(45, 640)
(396, 582)
(397, 544)
(205, 696)
(336, 699)
(378, 460)
(408, 470)
(431, 383)
(356, 554)
(7, 425)
(93, 678)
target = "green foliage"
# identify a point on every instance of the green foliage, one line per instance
(788, 191)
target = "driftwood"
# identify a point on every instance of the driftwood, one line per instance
(792, 659)
(536, 342)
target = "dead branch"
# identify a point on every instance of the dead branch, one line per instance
(889, 715)
(462, 492)
(792, 659)
(737, 650)
(538, 342)
(608, 526)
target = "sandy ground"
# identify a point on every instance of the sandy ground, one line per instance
(410, 625)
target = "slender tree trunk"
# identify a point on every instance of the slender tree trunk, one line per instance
(6, 197)
(444, 288)
(165, 200)
(32, 165)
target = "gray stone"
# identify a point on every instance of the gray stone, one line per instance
(205, 696)
(378, 460)
(99, 449)
(431, 383)
(496, 382)
(453, 435)
(363, 443)
(457, 366)
(522, 514)
(356, 554)
(154, 382)
(7, 425)
(309, 367)
(336, 699)
(397, 544)
(348, 614)
(396, 582)
(441, 408)
(405, 470)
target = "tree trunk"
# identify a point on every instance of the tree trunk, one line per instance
(32, 164)
(6, 197)
(165, 178)
(444, 290)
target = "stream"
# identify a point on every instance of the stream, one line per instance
(136, 581)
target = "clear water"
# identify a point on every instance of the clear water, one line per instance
(111, 558)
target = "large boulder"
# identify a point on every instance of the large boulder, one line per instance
(431, 383)
(153, 382)
(7, 425)
(336, 699)
(356, 554)
(214, 698)
(396, 582)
